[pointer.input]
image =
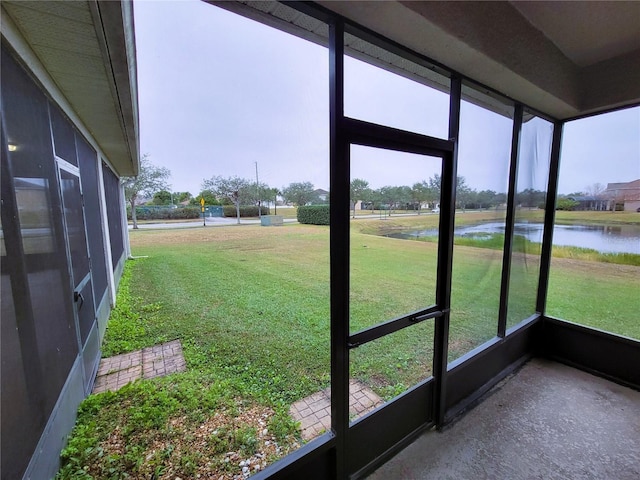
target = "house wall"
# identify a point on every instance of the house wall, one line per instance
(53, 250)
(631, 206)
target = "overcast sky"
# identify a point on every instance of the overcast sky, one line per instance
(218, 93)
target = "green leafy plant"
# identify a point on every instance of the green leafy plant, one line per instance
(314, 214)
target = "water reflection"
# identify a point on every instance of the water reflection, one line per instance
(603, 238)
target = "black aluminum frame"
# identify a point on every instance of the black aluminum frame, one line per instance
(510, 221)
(343, 452)
(351, 451)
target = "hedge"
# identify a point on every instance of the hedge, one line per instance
(165, 213)
(314, 214)
(248, 211)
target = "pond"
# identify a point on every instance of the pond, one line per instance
(603, 238)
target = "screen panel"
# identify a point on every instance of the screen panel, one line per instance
(534, 155)
(88, 161)
(483, 173)
(395, 198)
(114, 214)
(39, 342)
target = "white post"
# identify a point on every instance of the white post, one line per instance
(106, 236)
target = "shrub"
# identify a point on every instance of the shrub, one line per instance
(566, 204)
(164, 213)
(246, 211)
(314, 214)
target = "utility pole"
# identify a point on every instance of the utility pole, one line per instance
(258, 191)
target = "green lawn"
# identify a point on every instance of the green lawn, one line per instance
(251, 307)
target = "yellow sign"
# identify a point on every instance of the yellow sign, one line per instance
(202, 209)
(202, 202)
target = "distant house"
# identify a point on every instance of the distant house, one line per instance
(591, 203)
(322, 194)
(356, 206)
(623, 196)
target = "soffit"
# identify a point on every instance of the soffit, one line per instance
(586, 34)
(81, 48)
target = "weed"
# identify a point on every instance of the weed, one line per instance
(246, 438)
(282, 425)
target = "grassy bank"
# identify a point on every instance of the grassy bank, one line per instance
(251, 308)
(398, 225)
(425, 221)
(598, 218)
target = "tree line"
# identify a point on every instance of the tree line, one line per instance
(152, 182)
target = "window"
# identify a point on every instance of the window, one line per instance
(534, 155)
(595, 265)
(483, 172)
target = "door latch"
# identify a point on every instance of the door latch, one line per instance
(77, 296)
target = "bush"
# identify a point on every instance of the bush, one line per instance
(314, 214)
(566, 204)
(247, 211)
(164, 213)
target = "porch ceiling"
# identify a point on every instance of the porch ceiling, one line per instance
(563, 58)
(87, 49)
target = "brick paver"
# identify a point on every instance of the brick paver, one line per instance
(314, 412)
(115, 372)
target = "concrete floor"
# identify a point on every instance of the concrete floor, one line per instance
(548, 421)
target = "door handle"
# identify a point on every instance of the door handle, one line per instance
(77, 296)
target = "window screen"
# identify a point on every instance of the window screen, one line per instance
(112, 194)
(39, 342)
(93, 216)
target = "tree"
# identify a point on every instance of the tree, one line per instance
(260, 193)
(530, 197)
(235, 189)
(358, 190)
(464, 194)
(300, 193)
(421, 193)
(487, 199)
(435, 187)
(163, 197)
(180, 197)
(566, 204)
(402, 197)
(150, 180)
(272, 196)
(386, 196)
(595, 190)
(209, 198)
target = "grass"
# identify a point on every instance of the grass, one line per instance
(604, 296)
(251, 308)
(581, 217)
(426, 221)
(597, 218)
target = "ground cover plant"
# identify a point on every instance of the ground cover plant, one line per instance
(250, 305)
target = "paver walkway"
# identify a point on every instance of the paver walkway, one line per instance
(314, 412)
(115, 372)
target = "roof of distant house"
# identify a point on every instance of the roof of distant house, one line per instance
(623, 191)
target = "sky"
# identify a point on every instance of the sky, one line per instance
(219, 93)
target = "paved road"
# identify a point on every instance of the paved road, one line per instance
(210, 222)
(221, 221)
